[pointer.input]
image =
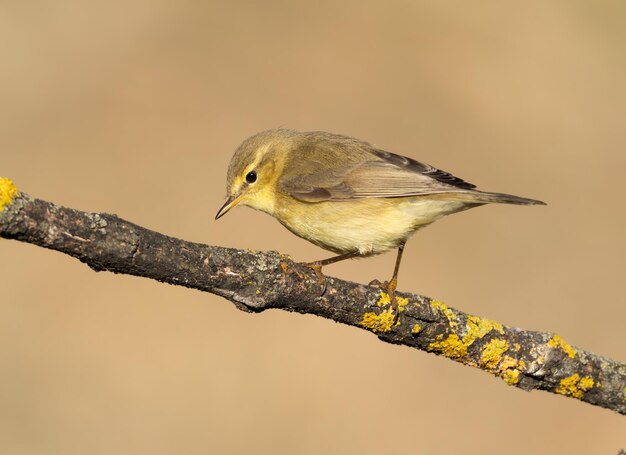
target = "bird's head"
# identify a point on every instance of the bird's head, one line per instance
(254, 171)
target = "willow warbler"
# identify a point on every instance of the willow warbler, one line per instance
(346, 195)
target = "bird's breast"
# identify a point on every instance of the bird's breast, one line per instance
(369, 226)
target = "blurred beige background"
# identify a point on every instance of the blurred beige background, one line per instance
(136, 110)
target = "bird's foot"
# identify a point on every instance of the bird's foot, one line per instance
(389, 287)
(317, 268)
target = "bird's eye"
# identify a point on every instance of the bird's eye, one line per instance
(251, 177)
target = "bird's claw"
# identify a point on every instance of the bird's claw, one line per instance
(390, 288)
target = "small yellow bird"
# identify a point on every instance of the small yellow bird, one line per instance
(344, 194)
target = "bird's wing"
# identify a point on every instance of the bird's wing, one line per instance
(377, 174)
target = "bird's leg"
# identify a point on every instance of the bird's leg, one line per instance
(316, 266)
(393, 283)
(390, 286)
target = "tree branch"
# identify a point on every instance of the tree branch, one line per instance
(255, 281)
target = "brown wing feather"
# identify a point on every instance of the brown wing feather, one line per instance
(367, 173)
(423, 168)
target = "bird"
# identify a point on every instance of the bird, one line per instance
(346, 195)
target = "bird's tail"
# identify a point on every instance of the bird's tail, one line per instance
(501, 198)
(474, 197)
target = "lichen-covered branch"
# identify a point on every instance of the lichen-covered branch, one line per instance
(256, 281)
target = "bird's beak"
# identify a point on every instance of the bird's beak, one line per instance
(231, 201)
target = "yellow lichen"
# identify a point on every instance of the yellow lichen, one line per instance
(7, 192)
(557, 342)
(509, 367)
(416, 329)
(402, 303)
(508, 363)
(445, 309)
(451, 347)
(586, 383)
(511, 377)
(479, 327)
(378, 322)
(492, 352)
(516, 347)
(384, 299)
(575, 386)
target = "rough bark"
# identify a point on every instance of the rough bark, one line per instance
(255, 281)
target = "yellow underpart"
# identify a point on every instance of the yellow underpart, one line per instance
(492, 352)
(451, 347)
(416, 328)
(557, 342)
(575, 386)
(378, 322)
(7, 192)
(511, 377)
